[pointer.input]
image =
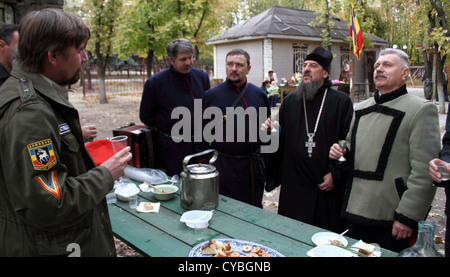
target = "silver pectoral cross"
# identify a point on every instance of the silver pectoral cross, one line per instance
(310, 144)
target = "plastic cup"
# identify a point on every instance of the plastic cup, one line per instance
(119, 143)
(133, 201)
(209, 206)
(111, 198)
(445, 175)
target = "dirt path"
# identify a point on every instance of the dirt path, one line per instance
(122, 109)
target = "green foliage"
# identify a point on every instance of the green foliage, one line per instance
(101, 17)
(128, 27)
(146, 25)
(138, 29)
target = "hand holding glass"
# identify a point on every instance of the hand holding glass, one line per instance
(442, 169)
(343, 144)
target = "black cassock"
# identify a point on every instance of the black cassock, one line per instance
(240, 164)
(299, 174)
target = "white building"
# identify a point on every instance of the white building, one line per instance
(280, 38)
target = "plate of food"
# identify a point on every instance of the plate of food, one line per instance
(323, 238)
(232, 248)
(359, 249)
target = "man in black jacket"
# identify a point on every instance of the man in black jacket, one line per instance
(9, 36)
(437, 178)
(174, 87)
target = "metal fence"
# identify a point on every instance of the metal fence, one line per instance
(417, 72)
(123, 79)
(120, 77)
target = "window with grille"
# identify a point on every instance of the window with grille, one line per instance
(300, 52)
(345, 56)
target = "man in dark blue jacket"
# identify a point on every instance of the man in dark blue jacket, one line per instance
(240, 163)
(174, 87)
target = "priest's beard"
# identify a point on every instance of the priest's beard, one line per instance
(309, 90)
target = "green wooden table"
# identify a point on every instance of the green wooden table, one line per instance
(163, 235)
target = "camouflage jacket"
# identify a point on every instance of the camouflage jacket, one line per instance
(52, 197)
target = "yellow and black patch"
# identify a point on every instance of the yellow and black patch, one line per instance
(42, 154)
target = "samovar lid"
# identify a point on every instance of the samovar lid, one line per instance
(201, 168)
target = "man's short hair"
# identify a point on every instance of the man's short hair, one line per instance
(239, 51)
(7, 32)
(404, 58)
(46, 30)
(177, 46)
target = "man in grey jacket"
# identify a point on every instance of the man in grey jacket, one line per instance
(393, 137)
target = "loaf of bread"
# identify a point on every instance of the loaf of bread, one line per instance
(212, 248)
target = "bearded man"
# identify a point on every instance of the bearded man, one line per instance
(52, 195)
(241, 162)
(311, 119)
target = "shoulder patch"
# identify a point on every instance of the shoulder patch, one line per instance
(64, 128)
(26, 90)
(50, 184)
(42, 154)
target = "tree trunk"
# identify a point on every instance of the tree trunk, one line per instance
(101, 69)
(101, 83)
(149, 62)
(428, 58)
(427, 78)
(439, 81)
(327, 23)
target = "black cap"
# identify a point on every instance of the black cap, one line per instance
(322, 56)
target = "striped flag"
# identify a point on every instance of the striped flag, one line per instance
(356, 35)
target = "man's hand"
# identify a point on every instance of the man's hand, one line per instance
(89, 133)
(434, 171)
(117, 163)
(336, 151)
(328, 184)
(401, 231)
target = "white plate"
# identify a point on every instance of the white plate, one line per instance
(322, 238)
(236, 245)
(336, 251)
(329, 251)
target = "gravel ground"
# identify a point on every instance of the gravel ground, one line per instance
(123, 108)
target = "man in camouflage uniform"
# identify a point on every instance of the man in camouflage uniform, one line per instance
(52, 196)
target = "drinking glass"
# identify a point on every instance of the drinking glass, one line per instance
(343, 144)
(133, 201)
(445, 176)
(119, 143)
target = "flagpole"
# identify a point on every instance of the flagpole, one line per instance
(352, 91)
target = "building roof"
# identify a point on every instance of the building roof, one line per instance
(285, 22)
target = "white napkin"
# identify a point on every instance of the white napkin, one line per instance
(140, 207)
(144, 187)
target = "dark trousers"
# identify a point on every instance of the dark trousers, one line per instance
(273, 101)
(447, 231)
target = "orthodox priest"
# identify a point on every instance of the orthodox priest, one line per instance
(240, 162)
(310, 120)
